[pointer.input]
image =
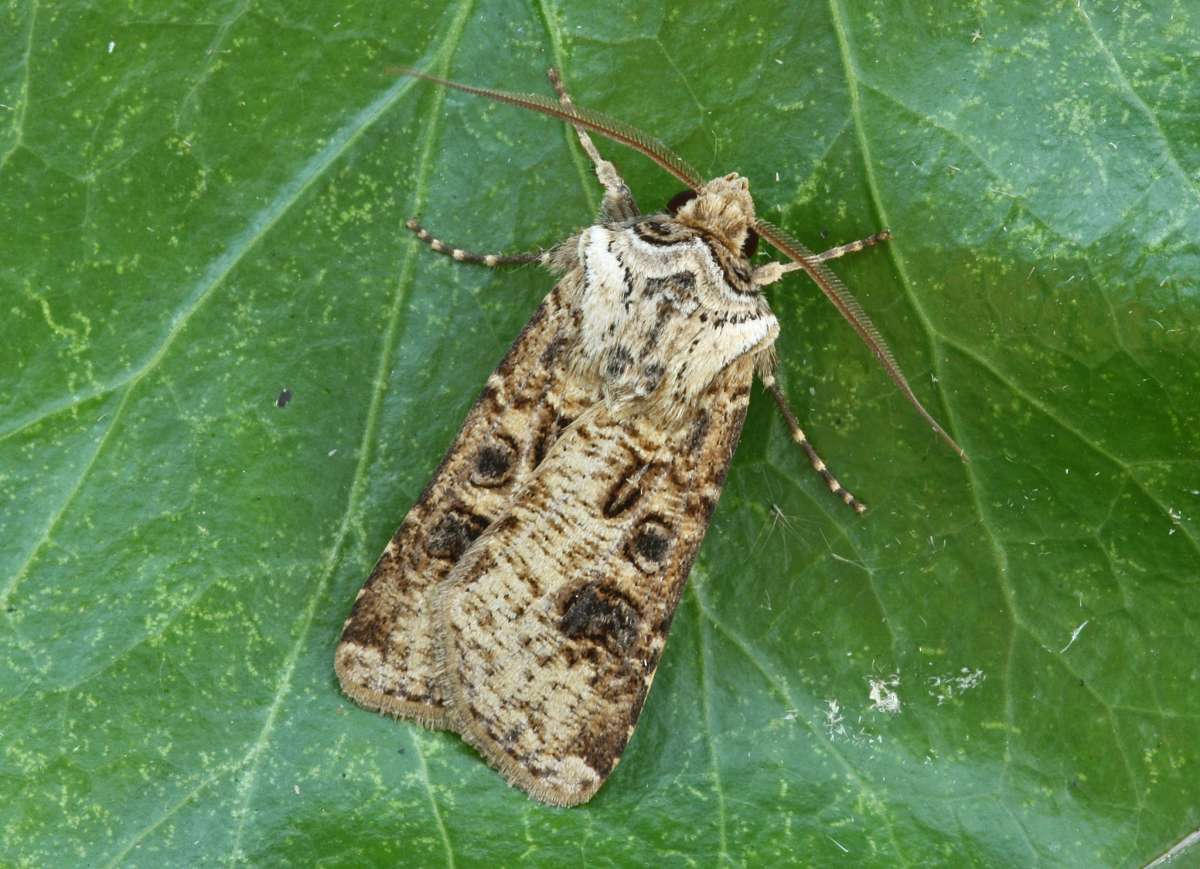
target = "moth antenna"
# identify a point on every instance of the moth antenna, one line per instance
(849, 308)
(597, 122)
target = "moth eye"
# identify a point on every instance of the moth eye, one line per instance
(679, 199)
(750, 245)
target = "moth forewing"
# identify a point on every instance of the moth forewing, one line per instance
(554, 621)
(386, 660)
(526, 598)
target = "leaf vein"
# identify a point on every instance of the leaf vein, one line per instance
(360, 122)
(23, 92)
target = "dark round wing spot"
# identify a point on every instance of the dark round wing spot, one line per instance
(680, 199)
(494, 461)
(649, 544)
(453, 533)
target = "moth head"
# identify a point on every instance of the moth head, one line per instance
(722, 207)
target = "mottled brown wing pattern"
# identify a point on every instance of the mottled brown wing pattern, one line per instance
(386, 658)
(526, 598)
(554, 620)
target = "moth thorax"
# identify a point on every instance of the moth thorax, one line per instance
(723, 207)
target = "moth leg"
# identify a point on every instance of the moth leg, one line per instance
(618, 201)
(802, 441)
(854, 246)
(491, 260)
(771, 272)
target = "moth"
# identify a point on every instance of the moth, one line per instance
(525, 599)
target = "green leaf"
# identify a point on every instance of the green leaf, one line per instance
(203, 208)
